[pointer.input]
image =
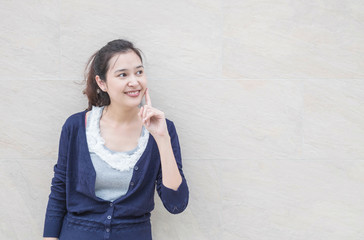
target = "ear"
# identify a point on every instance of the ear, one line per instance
(101, 83)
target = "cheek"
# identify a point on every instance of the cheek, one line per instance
(118, 87)
(144, 81)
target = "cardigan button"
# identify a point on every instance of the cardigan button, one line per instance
(107, 229)
(109, 217)
(131, 183)
(136, 168)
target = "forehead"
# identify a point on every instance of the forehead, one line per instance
(126, 60)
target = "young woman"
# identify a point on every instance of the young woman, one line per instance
(113, 155)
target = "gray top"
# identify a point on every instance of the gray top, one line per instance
(110, 183)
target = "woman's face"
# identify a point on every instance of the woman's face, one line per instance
(125, 80)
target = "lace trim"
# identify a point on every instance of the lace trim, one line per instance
(120, 161)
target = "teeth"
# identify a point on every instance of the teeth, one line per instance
(133, 92)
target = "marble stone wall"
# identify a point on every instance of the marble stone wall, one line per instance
(267, 98)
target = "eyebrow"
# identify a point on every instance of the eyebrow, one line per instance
(124, 69)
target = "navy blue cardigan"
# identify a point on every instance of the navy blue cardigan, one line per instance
(73, 184)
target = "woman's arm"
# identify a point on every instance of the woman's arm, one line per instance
(56, 207)
(171, 177)
(171, 183)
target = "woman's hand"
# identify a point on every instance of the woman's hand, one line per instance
(153, 119)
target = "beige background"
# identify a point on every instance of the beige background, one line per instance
(267, 98)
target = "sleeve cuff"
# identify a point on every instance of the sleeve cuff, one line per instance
(52, 227)
(175, 201)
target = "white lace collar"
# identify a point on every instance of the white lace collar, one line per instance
(120, 160)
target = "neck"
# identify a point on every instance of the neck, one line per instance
(119, 115)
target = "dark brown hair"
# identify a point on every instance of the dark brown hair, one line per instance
(98, 64)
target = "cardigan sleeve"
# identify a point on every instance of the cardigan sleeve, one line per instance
(175, 201)
(56, 207)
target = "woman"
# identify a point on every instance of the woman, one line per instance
(113, 155)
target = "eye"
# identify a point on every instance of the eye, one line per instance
(140, 72)
(122, 75)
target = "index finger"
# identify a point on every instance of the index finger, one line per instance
(147, 98)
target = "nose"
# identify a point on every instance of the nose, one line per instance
(133, 81)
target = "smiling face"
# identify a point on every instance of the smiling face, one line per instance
(125, 80)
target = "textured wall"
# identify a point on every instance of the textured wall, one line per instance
(267, 97)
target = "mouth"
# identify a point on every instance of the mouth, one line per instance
(133, 93)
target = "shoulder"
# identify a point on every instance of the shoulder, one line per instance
(169, 123)
(170, 126)
(75, 120)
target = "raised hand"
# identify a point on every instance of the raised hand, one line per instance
(153, 119)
